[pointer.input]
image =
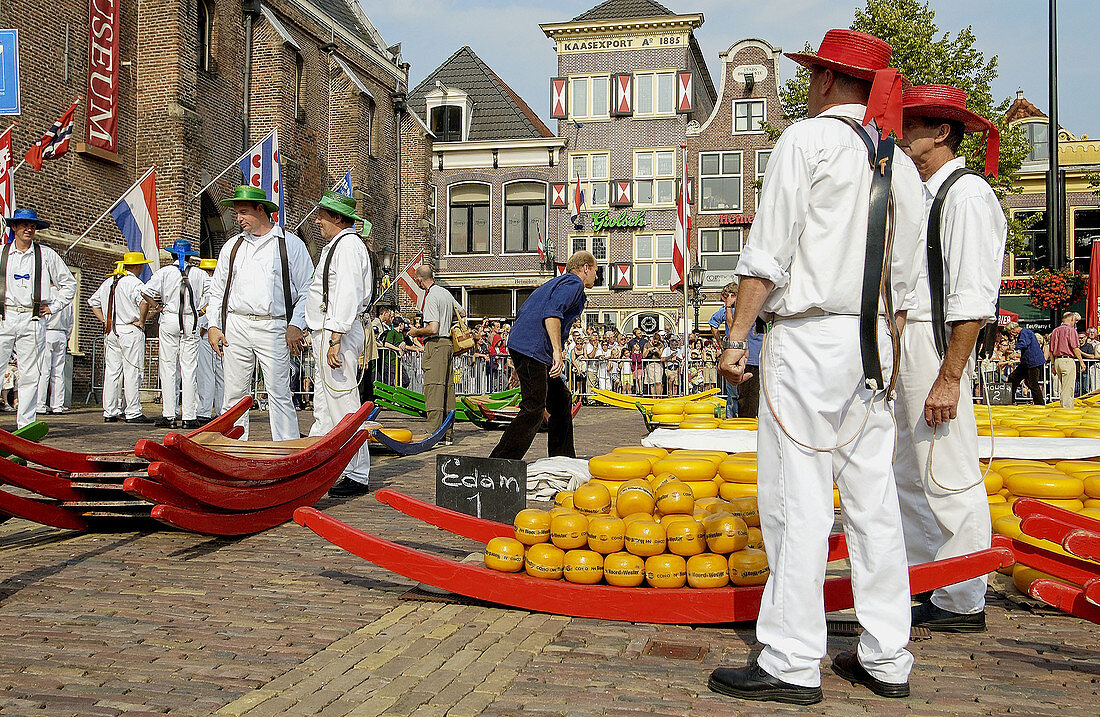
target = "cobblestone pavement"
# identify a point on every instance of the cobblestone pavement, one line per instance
(144, 620)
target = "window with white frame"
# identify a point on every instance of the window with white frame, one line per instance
(468, 219)
(748, 116)
(593, 169)
(654, 177)
(762, 158)
(524, 215)
(598, 247)
(719, 181)
(654, 93)
(720, 249)
(588, 97)
(206, 34)
(652, 260)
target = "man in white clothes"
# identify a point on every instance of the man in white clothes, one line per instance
(177, 290)
(51, 383)
(121, 306)
(826, 369)
(27, 270)
(943, 502)
(338, 299)
(257, 308)
(209, 374)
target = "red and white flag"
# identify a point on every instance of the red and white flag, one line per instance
(405, 281)
(55, 142)
(578, 204)
(681, 239)
(541, 245)
(7, 182)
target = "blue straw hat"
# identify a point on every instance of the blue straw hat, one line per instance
(26, 215)
(181, 247)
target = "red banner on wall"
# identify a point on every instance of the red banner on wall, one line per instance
(102, 116)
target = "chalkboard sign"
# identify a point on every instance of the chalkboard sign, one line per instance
(490, 488)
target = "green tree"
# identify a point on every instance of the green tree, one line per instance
(927, 56)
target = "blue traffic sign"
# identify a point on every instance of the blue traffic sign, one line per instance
(9, 72)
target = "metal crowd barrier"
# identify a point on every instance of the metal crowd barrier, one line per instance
(997, 374)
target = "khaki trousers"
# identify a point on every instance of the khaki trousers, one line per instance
(439, 387)
(1065, 368)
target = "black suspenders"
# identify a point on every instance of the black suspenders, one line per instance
(285, 265)
(36, 286)
(936, 287)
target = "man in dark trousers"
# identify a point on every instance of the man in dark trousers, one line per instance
(535, 345)
(1030, 368)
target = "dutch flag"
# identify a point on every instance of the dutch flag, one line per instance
(344, 185)
(136, 217)
(262, 168)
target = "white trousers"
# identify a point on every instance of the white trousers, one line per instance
(815, 380)
(51, 379)
(179, 356)
(22, 334)
(260, 342)
(208, 378)
(125, 364)
(946, 513)
(336, 392)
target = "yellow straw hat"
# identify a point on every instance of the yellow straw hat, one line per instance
(134, 258)
(208, 263)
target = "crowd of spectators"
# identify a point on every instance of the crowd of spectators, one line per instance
(1020, 357)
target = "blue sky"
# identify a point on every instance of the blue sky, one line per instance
(506, 35)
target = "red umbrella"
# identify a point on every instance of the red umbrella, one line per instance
(1092, 298)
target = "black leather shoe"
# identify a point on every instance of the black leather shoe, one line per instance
(348, 488)
(139, 419)
(202, 419)
(163, 422)
(847, 665)
(937, 619)
(752, 683)
(110, 419)
(194, 423)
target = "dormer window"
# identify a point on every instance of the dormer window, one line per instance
(446, 123)
(1037, 134)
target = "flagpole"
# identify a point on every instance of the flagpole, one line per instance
(687, 264)
(311, 211)
(108, 210)
(233, 164)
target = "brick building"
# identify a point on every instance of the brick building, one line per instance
(197, 83)
(492, 160)
(727, 154)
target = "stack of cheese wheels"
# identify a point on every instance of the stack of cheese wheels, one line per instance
(668, 539)
(1051, 421)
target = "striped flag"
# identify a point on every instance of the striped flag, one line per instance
(405, 281)
(344, 186)
(55, 142)
(681, 238)
(262, 168)
(578, 204)
(7, 182)
(136, 217)
(541, 247)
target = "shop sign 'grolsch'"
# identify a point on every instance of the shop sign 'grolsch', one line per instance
(102, 116)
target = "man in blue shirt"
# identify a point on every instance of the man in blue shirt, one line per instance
(743, 400)
(1030, 368)
(535, 345)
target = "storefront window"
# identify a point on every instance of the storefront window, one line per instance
(524, 215)
(469, 219)
(720, 181)
(1038, 255)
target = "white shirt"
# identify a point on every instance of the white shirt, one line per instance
(257, 287)
(810, 233)
(19, 292)
(972, 233)
(164, 286)
(128, 295)
(349, 284)
(60, 320)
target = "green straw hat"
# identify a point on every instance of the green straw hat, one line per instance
(339, 204)
(254, 195)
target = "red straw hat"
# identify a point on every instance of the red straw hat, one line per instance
(867, 58)
(947, 102)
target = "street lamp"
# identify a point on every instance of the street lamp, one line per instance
(695, 286)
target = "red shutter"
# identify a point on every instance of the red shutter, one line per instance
(622, 94)
(621, 276)
(557, 194)
(559, 109)
(620, 193)
(684, 88)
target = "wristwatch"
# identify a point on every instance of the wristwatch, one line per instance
(334, 342)
(727, 344)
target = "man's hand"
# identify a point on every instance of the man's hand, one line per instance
(942, 403)
(217, 340)
(44, 310)
(294, 339)
(731, 365)
(333, 356)
(557, 365)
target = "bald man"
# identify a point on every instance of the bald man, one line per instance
(437, 363)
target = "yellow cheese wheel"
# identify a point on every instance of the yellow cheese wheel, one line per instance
(1005, 492)
(672, 419)
(1008, 525)
(654, 451)
(504, 554)
(999, 464)
(699, 408)
(564, 499)
(1084, 433)
(996, 498)
(1092, 486)
(635, 496)
(644, 538)
(687, 468)
(725, 533)
(685, 537)
(1041, 432)
(660, 479)
(707, 570)
(714, 456)
(699, 423)
(628, 519)
(999, 510)
(1078, 466)
(747, 510)
(667, 520)
(1035, 467)
(569, 531)
(1092, 502)
(737, 470)
(558, 510)
(1045, 485)
(706, 503)
(666, 571)
(605, 534)
(997, 431)
(669, 405)
(836, 499)
(1071, 504)
(703, 489)
(731, 491)
(993, 482)
(532, 526)
(748, 567)
(619, 466)
(591, 498)
(583, 566)
(623, 570)
(756, 539)
(401, 435)
(1023, 577)
(545, 561)
(611, 485)
(675, 497)
(1093, 513)
(738, 424)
